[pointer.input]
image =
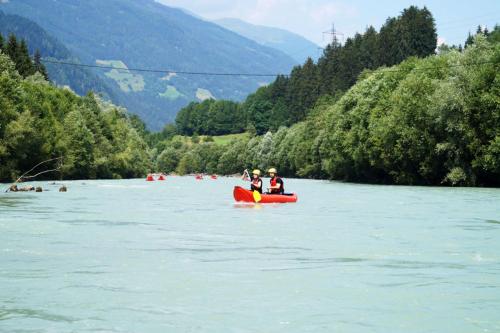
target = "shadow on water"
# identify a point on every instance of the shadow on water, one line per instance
(480, 225)
(15, 201)
(11, 313)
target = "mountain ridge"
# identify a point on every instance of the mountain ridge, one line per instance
(81, 80)
(294, 45)
(147, 34)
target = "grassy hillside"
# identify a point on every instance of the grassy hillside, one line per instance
(227, 139)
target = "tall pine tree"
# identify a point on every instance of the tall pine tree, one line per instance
(11, 49)
(388, 48)
(25, 65)
(417, 32)
(39, 66)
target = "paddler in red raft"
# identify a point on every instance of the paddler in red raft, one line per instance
(276, 183)
(275, 194)
(256, 184)
(255, 180)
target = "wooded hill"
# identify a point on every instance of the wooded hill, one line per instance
(430, 121)
(289, 99)
(39, 121)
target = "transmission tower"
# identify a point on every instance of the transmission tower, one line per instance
(334, 35)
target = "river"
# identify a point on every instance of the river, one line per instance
(181, 256)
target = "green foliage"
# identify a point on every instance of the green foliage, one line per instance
(429, 121)
(419, 126)
(39, 122)
(210, 118)
(19, 54)
(168, 160)
(290, 99)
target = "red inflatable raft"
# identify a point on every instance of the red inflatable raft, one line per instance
(242, 195)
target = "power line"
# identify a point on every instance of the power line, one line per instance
(383, 70)
(163, 71)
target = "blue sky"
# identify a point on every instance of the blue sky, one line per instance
(310, 18)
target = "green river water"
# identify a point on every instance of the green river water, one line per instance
(181, 256)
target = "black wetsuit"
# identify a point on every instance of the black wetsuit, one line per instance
(255, 182)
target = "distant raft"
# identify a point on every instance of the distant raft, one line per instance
(151, 177)
(243, 195)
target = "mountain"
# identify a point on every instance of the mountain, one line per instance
(296, 46)
(146, 34)
(81, 80)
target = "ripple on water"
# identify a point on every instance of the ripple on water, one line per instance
(408, 264)
(106, 288)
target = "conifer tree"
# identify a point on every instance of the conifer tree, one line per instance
(417, 32)
(388, 48)
(11, 48)
(24, 64)
(469, 41)
(39, 66)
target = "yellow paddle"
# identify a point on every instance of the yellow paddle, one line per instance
(256, 196)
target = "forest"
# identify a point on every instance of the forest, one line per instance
(426, 121)
(289, 99)
(40, 122)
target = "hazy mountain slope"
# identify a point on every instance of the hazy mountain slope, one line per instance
(296, 46)
(146, 34)
(81, 80)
